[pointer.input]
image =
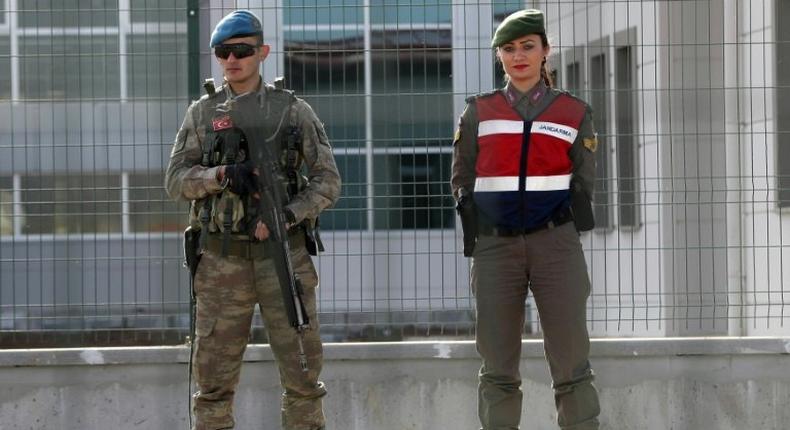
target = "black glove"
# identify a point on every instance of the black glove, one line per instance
(242, 178)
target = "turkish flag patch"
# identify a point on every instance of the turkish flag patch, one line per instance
(222, 123)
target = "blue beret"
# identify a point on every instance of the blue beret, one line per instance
(239, 23)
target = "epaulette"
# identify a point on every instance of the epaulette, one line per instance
(272, 88)
(217, 92)
(481, 95)
(571, 95)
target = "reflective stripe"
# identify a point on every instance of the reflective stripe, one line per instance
(553, 129)
(500, 126)
(496, 183)
(534, 183)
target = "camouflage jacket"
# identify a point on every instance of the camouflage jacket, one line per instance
(187, 179)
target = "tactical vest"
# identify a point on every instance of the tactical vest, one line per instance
(225, 144)
(523, 168)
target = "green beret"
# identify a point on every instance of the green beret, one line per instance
(518, 24)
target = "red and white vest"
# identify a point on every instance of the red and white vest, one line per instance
(523, 168)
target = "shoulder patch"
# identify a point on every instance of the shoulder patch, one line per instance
(591, 143)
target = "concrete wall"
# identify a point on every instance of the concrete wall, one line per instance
(669, 383)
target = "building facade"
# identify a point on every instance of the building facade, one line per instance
(692, 175)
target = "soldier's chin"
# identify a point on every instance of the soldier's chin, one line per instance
(233, 74)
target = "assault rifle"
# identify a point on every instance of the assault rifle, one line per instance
(271, 209)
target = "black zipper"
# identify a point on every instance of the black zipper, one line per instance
(522, 170)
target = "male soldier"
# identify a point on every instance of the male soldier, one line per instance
(234, 271)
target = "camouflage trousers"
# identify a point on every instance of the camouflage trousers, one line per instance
(551, 263)
(227, 289)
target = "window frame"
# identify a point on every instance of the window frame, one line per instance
(627, 39)
(782, 151)
(603, 210)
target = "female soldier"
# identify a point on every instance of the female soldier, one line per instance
(518, 153)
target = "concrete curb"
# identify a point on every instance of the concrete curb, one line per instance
(609, 347)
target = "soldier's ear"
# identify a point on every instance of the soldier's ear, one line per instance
(264, 52)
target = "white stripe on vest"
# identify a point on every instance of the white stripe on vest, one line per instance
(534, 183)
(500, 126)
(553, 129)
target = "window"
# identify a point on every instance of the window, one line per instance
(573, 78)
(158, 66)
(410, 93)
(627, 143)
(6, 206)
(411, 191)
(158, 11)
(150, 208)
(783, 102)
(326, 69)
(349, 213)
(412, 99)
(5, 67)
(68, 13)
(71, 204)
(412, 88)
(2, 12)
(69, 67)
(554, 66)
(599, 91)
(319, 12)
(409, 12)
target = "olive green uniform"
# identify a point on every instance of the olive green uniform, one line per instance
(551, 263)
(227, 288)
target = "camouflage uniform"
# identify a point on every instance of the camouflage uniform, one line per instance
(227, 288)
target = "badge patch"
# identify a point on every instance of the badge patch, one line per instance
(222, 123)
(457, 136)
(591, 143)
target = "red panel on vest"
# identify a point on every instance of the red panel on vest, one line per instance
(496, 107)
(548, 155)
(499, 155)
(565, 110)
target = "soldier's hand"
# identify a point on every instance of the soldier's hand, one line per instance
(261, 231)
(242, 178)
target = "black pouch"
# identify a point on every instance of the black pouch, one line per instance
(191, 250)
(468, 212)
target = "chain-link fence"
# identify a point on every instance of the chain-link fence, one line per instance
(690, 101)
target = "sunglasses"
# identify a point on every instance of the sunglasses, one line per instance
(239, 50)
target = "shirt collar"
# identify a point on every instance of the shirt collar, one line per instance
(533, 95)
(229, 93)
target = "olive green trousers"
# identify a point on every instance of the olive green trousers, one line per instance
(551, 264)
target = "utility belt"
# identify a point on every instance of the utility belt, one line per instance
(559, 218)
(243, 247)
